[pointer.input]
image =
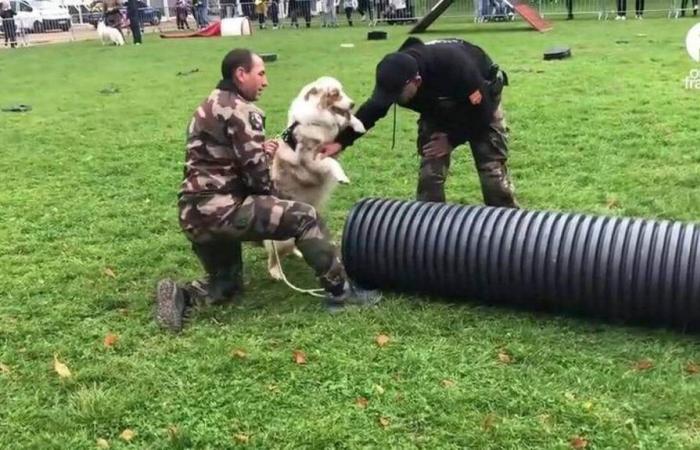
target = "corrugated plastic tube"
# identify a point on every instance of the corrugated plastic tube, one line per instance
(616, 269)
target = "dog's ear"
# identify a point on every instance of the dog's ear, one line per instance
(329, 98)
(310, 92)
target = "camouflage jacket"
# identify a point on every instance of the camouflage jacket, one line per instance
(225, 149)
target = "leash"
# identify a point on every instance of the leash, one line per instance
(312, 292)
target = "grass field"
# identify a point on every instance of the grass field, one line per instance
(88, 225)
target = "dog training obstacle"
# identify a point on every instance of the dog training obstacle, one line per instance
(617, 269)
(531, 16)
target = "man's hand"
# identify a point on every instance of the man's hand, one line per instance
(331, 149)
(438, 146)
(270, 147)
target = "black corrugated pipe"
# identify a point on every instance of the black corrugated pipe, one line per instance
(617, 269)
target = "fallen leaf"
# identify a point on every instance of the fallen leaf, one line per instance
(173, 432)
(111, 340)
(241, 437)
(578, 442)
(379, 389)
(643, 364)
(384, 421)
(588, 406)
(273, 388)
(545, 420)
(382, 340)
(570, 396)
(612, 202)
(123, 311)
(361, 402)
(504, 357)
(690, 368)
(448, 383)
(240, 354)
(102, 443)
(299, 357)
(127, 435)
(4, 368)
(489, 421)
(109, 272)
(60, 368)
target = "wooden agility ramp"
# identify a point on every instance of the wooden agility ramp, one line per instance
(527, 12)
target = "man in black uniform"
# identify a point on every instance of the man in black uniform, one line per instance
(456, 88)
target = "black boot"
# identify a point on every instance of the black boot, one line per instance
(222, 261)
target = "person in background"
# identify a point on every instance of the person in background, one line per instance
(349, 6)
(132, 13)
(684, 3)
(8, 24)
(328, 13)
(181, 12)
(621, 10)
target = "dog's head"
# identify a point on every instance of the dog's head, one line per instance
(325, 102)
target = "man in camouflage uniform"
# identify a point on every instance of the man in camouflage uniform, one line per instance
(227, 197)
(456, 88)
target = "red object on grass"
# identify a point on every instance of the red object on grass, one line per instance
(532, 17)
(212, 30)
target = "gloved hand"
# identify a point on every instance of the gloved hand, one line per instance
(438, 146)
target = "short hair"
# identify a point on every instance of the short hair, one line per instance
(238, 57)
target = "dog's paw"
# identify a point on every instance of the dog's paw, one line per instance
(298, 253)
(343, 179)
(356, 125)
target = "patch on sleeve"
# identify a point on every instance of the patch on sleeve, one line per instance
(257, 121)
(475, 97)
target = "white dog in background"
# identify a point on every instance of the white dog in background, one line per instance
(109, 34)
(299, 171)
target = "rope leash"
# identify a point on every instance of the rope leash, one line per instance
(312, 292)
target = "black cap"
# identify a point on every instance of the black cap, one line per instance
(393, 72)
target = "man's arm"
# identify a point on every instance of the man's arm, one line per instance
(369, 113)
(249, 152)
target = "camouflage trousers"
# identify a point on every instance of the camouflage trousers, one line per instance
(490, 153)
(217, 224)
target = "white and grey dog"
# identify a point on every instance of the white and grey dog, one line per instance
(299, 171)
(109, 35)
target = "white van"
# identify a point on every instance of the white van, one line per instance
(40, 15)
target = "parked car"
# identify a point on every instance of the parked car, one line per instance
(40, 15)
(147, 14)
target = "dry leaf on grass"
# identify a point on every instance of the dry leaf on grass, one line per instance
(578, 442)
(361, 402)
(4, 368)
(379, 389)
(299, 357)
(504, 357)
(111, 340)
(384, 422)
(60, 368)
(382, 340)
(109, 272)
(102, 443)
(643, 364)
(239, 353)
(127, 435)
(489, 421)
(588, 406)
(173, 432)
(241, 438)
(612, 203)
(448, 383)
(692, 368)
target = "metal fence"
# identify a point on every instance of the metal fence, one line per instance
(79, 23)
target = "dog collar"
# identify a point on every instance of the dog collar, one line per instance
(288, 136)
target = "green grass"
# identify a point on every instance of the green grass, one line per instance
(89, 183)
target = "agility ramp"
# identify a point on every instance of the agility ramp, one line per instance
(615, 269)
(529, 14)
